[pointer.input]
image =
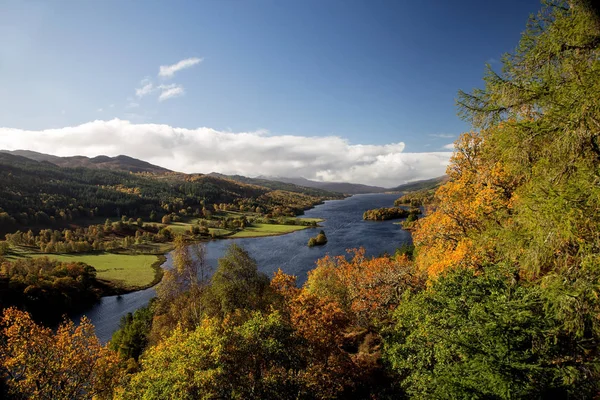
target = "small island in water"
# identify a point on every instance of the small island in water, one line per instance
(318, 240)
(386, 213)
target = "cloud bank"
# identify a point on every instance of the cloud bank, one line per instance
(204, 150)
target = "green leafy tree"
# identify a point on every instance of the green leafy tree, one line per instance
(541, 121)
(181, 291)
(133, 335)
(237, 283)
(256, 359)
(489, 335)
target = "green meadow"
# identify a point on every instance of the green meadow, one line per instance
(257, 230)
(125, 271)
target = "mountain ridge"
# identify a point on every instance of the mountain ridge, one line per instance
(339, 187)
(294, 184)
(118, 163)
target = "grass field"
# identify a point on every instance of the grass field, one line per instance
(219, 231)
(317, 220)
(182, 227)
(129, 272)
(255, 230)
(258, 230)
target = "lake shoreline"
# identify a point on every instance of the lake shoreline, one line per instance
(114, 289)
(344, 227)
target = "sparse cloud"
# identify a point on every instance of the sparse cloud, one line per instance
(100, 110)
(112, 106)
(330, 158)
(145, 88)
(170, 91)
(449, 146)
(167, 71)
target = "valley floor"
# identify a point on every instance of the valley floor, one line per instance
(128, 270)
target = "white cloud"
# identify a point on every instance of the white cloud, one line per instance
(167, 71)
(329, 158)
(132, 104)
(170, 91)
(449, 146)
(100, 110)
(146, 88)
(166, 91)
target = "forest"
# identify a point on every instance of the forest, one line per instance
(43, 195)
(498, 299)
(385, 213)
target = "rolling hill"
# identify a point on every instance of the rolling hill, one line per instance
(420, 185)
(339, 187)
(118, 163)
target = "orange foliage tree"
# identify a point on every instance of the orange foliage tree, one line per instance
(367, 287)
(37, 363)
(334, 311)
(470, 209)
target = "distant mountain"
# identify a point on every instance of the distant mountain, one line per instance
(42, 194)
(279, 185)
(297, 185)
(339, 187)
(420, 185)
(118, 163)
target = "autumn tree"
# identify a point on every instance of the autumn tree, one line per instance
(545, 100)
(181, 289)
(237, 283)
(470, 209)
(253, 359)
(69, 363)
(366, 287)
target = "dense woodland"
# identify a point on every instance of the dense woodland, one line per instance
(41, 194)
(499, 299)
(47, 288)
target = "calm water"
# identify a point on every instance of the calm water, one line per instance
(343, 226)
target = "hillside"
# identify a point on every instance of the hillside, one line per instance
(279, 185)
(339, 187)
(42, 193)
(118, 163)
(421, 185)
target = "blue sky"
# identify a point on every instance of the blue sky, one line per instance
(370, 72)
